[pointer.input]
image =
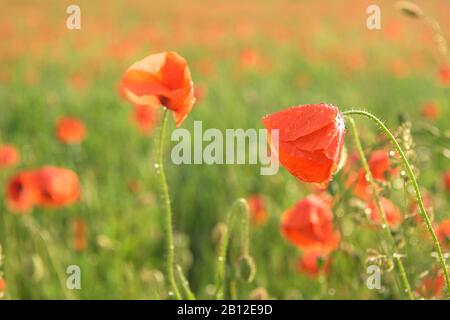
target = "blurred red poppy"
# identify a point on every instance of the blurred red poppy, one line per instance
(311, 138)
(79, 235)
(257, 206)
(250, 59)
(430, 111)
(393, 214)
(165, 76)
(21, 193)
(314, 263)
(70, 130)
(145, 117)
(431, 285)
(444, 75)
(57, 186)
(309, 225)
(447, 181)
(443, 233)
(380, 167)
(2, 286)
(9, 156)
(45, 187)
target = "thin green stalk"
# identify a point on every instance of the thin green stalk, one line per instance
(55, 262)
(415, 186)
(168, 212)
(380, 208)
(241, 206)
(3, 237)
(185, 284)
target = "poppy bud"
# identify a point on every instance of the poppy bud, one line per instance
(246, 268)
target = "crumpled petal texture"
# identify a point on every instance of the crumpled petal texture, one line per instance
(311, 138)
(165, 76)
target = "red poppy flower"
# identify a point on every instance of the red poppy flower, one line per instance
(2, 286)
(380, 166)
(309, 225)
(145, 117)
(431, 285)
(9, 156)
(165, 76)
(314, 263)
(443, 233)
(21, 193)
(258, 213)
(79, 235)
(45, 187)
(311, 138)
(57, 186)
(393, 214)
(447, 181)
(70, 130)
(430, 111)
(444, 75)
(250, 59)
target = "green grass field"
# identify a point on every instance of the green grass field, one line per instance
(310, 54)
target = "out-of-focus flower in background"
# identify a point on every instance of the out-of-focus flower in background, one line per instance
(45, 187)
(309, 225)
(145, 117)
(394, 216)
(9, 156)
(257, 207)
(314, 263)
(70, 130)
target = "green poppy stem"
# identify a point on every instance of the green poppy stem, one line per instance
(167, 210)
(185, 284)
(241, 206)
(376, 196)
(415, 185)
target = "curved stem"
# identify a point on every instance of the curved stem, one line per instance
(185, 284)
(168, 212)
(241, 206)
(415, 186)
(380, 209)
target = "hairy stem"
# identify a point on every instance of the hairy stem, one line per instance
(376, 196)
(185, 284)
(241, 206)
(415, 185)
(167, 211)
